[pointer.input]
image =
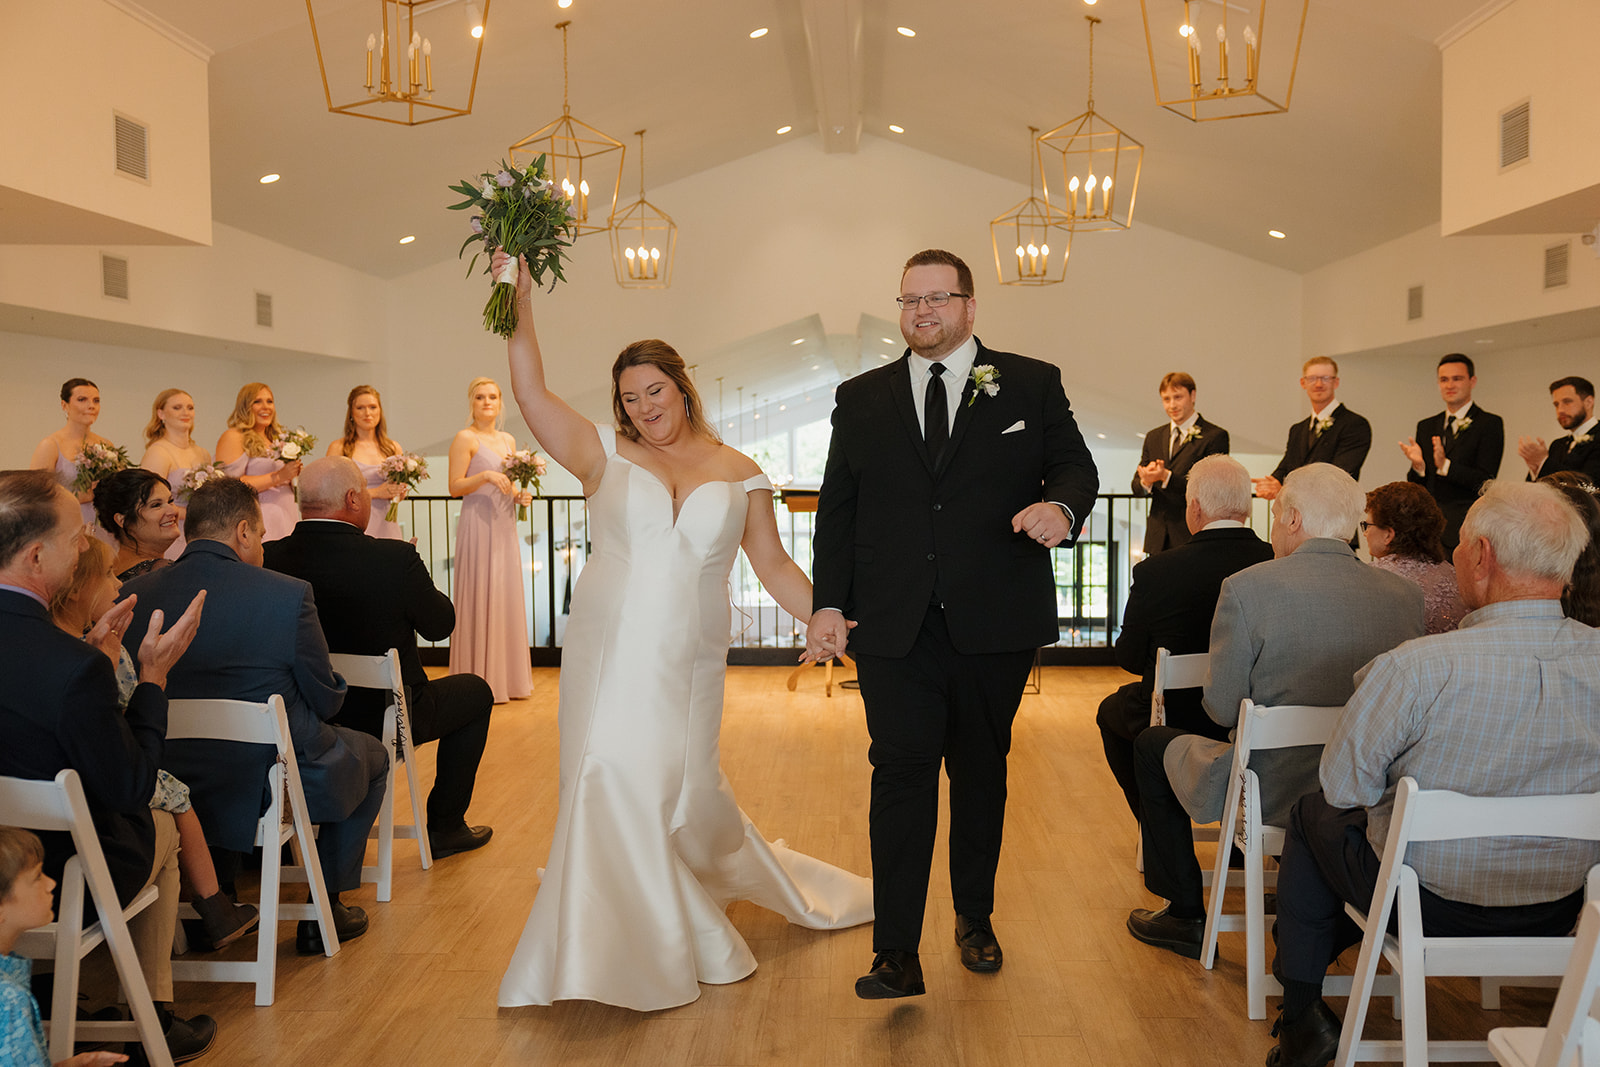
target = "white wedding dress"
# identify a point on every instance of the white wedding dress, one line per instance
(650, 846)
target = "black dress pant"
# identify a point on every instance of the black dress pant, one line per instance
(453, 710)
(932, 707)
(1171, 869)
(1125, 714)
(1327, 863)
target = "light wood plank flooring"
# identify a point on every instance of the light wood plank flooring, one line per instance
(420, 987)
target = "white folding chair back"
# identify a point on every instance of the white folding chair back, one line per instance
(262, 724)
(383, 672)
(59, 805)
(1440, 815)
(1572, 1039)
(1176, 672)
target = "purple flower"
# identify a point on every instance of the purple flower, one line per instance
(504, 179)
(477, 223)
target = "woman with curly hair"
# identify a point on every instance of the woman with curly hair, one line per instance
(1581, 600)
(1402, 530)
(246, 453)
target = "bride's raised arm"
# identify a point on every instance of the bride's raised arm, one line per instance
(567, 436)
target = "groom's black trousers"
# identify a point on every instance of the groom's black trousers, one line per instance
(937, 706)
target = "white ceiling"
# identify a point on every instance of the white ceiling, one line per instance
(1355, 162)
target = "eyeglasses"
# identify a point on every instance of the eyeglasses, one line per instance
(1371, 526)
(1320, 379)
(933, 300)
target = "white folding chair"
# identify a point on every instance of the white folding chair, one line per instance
(1573, 1027)
(59, 805)
(262, 724)
(1176, 672)
(1440, 815)
(383, 672)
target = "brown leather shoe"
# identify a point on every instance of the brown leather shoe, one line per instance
(894, 973)
(980, 952)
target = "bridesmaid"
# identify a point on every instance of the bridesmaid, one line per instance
(491, 637)
(80, 401)
(367, 442)
(136, 507)
(171, 450)
(245, 451)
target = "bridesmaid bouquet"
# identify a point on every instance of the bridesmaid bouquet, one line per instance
(407, 469)
(195, 478)
(524, 467)
(98, 461)
(294, 444)
(525, 213)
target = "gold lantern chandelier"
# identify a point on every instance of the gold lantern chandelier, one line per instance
(1098, 163)
(399, 82)
(1027, 229)
(579, 158)
(1201, 85)
(644, 240)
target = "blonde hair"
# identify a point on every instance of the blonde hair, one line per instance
(94, 559)
(472, 387)
(244, 420)
(1314, 360)
(386, 445)
(664, 358)
(156, 428)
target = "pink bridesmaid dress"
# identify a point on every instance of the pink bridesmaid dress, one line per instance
(66, 474)
(278, 507)
(491, 637)
(377, 525)
(175, 478)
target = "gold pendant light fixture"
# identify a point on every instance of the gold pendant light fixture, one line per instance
(579, 158)
(1228, 81)
(402, 39)
(1098, 166)
(644, 240)
(1021, 237)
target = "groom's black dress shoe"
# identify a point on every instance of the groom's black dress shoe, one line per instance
(349, 922)
(1309, 1041)
(1157, 928)
(463, 838)
(894, 974)
(980, 951)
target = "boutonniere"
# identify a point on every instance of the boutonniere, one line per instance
(1581, 439)
(986, 380)
(1461, 424)
(1323, 424)
(1191, 434)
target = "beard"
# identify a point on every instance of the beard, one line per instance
(1573, 421)
(940, 342)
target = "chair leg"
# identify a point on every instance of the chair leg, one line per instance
(64, 998)
(384, 873)
(267, 930)
(1255, 932)
(419, 817)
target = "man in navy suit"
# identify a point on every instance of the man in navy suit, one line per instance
(951, 474)
(1578, 450)
(1457, 450)
(1333, 434)
(1170, 451)
(262, 638)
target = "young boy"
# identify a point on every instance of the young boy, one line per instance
(26, 902)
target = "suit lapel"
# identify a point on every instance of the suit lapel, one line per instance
(899, 386)
(964, 415)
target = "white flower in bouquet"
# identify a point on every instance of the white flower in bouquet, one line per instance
(521, 211)
(405, 468)
(524, 466)
(96, 461)
(293, 445)
(195, 478)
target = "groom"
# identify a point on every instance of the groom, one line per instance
(951, 474)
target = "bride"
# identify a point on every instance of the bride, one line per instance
(650, 846)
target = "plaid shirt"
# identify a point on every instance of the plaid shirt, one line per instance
(1508, 705)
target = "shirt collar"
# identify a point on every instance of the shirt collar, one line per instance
(1466, 409)
(1587, 428)
(957, 364)
(25, 592)
(1194, 417)
(1513, 609)
(1327, 412)
(1223, 524)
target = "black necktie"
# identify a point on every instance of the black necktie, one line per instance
(935, 414)
(1450, 425)
(1177, 439)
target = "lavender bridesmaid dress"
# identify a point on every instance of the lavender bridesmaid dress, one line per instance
(491, 637)
(66, 474)
(175, 477)
(278, 507)
(377, 525)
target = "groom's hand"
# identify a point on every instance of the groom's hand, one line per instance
(1044, 522)
(826, 635)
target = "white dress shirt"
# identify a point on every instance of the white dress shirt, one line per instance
(957, 369)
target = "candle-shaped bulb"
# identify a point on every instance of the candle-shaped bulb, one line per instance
(1033, 249)
(372, 41)
(427, 47)
(1105, 194)
(416, 39)
(1222, 33)
(655, 253)
(1019, 251)
(1185, 30)
(1072, 186)
(1088, 186)
(628, 252)
(1249, 35)
(427, 63)
(1044, 250)
(583, 186)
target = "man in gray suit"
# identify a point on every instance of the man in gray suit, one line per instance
(1293, 630)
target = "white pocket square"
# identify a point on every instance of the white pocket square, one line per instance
(1014, 427)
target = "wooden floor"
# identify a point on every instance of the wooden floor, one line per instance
(420, 987)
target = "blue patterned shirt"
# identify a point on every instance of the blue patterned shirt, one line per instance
(21, 1032)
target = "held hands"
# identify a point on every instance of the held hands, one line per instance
(1044, 522)
(826, 635)
(1413, 452)
(1152, 473)
(1267, 488)
(1533, 451)
(159, 651)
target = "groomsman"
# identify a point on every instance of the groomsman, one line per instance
(1576, 451)
(1170, 451)
(1457, 450)
(1333, 434)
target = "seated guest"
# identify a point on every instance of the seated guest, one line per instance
(58, 710)
(1504, 706)
(1170, 450)
(262, 638)
(1170, 606)
(1290, 631)
(1403, 529)
(373, 595)
(137, 509)
(1581, 599)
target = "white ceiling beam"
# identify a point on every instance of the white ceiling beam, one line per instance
(834, 31)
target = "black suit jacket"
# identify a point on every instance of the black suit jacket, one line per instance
(1170, 605)
(1167, 526)
(1474, 454)
(894, 534)
(1345, 444)
(372, 594)
(58, 710)
(1564, 456)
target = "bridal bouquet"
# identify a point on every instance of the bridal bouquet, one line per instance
(295, 444)
(98, 461)
(525, 213)
(405, 469)
(195, 478)
(524, 467)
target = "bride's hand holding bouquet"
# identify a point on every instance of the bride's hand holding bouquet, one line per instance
(526, 214)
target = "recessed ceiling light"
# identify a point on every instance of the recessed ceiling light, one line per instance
(888, 340)
(816, 366)
(1275, 233)
(563, 3)
(885, 355)
(798, 341)
(784, 129)
(783, 407)
(408, 239)
(1484, 341)
(1101, 436)
(762, 32)
(268, 179)
(896, 129)
(475, 20)
(905, 31)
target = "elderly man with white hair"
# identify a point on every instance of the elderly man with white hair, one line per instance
(1293, 630)
(1508, 705)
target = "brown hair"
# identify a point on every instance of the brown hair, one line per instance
(217, 507)
(386, 446)
(939, 257)
(72, 383)
(94, 559)
(664, 358)
(1409, 510)
(1178, 378)
(20, 851)
(1582, 386)
(1581, 598)
(27, 510)
(155, 427)
(242, 419)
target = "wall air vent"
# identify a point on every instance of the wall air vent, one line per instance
(1556, 259)
(1414, 303)
(263, 309)
(132, 148)
(1514, 124)
(114, 277)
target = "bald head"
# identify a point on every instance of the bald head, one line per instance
(334, 488)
